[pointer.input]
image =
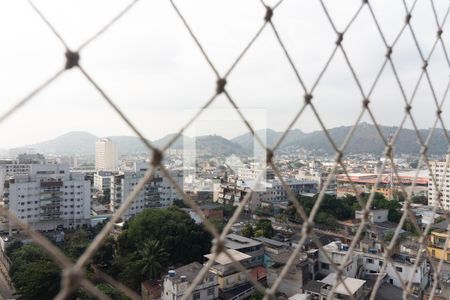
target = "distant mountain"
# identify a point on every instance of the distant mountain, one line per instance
(218, 145)
(76, 142)
(364, 140)
(129, 144)
(178, 144)
(246, 140)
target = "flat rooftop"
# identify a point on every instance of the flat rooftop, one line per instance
(352, 284)
(271, 242)
(223, 258)
(236, 242)
(189, 271)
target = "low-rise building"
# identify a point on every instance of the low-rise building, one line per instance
(349, 288)
(177, 282)
(337, 252)
(400, 268)
(212, 211)
(298, 274)
(233, 283)
(375, 215)
(437, 248)
(248, 246)
(272, 246)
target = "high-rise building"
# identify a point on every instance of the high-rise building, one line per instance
(441, 171)
(157, 192)
(106, 156)
(48, 197)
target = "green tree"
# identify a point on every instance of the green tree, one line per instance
(228, 210)
(409, 226)
(76, 242)
(388, 236)
(257, 296)
(217, 223)
(33, 274)
(104, 256)
(248, 231)
(107, 289)
(177, 233)
(264, 226)
(14, 245)
(326, 219)
(281, 218)
(179, 204)
(153, 259)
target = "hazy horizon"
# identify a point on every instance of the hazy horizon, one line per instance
(229, 137)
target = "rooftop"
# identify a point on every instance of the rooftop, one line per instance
(352, 284)
(190, 271)
(236, 242)
(313, 286)
(283, 257)
(271, 242)
(224, 259)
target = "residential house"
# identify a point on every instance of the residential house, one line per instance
(437, 247)
(177, 282)
(248, 246)
(337, 252)
(233, 283)
(297, 275)
(349, 288)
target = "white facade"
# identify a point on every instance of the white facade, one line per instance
(337, 254)
(438, 168)
(177, 282)
(270, 191)
(157, 193)
(375, 215)
(397, 270)
(49, 197)
(102, 180)
(106, 155)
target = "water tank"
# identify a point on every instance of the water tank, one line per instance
(172, 273)
(183, 278)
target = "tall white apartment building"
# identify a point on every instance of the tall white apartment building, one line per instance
(102, 180)
(157, 193)
(106, 155)
(48, 197)
(438, 168)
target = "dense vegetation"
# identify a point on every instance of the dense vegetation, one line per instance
(332, 209)
(150, 243)
(262, 228)
(153, 240)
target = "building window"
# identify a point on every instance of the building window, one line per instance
(399, 269)
(325, 266)
(370, 261)
(196, 296)
(211, 291)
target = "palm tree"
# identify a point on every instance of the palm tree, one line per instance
(153, 259)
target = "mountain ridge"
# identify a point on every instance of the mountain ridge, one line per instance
(365, 139)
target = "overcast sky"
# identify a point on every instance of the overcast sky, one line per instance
(151, 68)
